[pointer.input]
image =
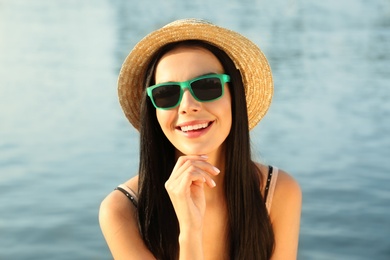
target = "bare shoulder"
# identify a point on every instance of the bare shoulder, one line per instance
(118, 222)
(116, 204)
(286, 183)
(133, 184)
(287, 192)
(285, 216)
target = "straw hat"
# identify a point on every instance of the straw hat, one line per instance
(248, 58)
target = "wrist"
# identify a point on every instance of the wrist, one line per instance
(191, 245)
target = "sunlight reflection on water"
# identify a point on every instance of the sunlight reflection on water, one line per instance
(64, 142)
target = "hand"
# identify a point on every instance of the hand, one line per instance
(185, 187)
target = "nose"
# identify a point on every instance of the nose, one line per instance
(188, 103)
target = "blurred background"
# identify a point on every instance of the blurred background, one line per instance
(65, 143)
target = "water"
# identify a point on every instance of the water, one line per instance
(65, 144)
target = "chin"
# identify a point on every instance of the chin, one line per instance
(198, 150)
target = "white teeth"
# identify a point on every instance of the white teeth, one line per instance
(193, 127)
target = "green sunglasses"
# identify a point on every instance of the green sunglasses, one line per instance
(205, 88)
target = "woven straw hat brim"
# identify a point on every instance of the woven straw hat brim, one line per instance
(248, 58)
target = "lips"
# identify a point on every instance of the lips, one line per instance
(194, 127)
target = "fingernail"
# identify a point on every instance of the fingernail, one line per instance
(213, 183)
(204, 156)
(216, 169)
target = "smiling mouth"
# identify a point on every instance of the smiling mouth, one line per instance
(196, 127)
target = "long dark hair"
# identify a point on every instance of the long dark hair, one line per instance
(250, 234)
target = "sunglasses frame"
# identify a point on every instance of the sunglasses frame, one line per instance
(224, 78)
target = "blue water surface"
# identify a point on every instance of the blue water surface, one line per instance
(65, 143)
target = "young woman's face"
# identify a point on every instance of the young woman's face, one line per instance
(214, 118)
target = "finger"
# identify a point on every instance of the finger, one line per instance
(210, 182)
(192, 176)
(183, 159)
(198, 174)
(185, 162)
(207, 167)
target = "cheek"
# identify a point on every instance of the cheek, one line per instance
(160, 117)
(165, 118)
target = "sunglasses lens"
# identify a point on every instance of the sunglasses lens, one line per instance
(207, 89)
(166, 96)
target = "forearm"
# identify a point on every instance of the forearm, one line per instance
(191, 247)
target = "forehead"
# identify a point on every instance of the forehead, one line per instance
(186, 62)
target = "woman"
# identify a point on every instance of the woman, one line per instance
(194, 90)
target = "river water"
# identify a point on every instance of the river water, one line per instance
(65, 144)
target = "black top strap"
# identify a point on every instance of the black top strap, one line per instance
(134, 201)
(131, 197)
(270, 169)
